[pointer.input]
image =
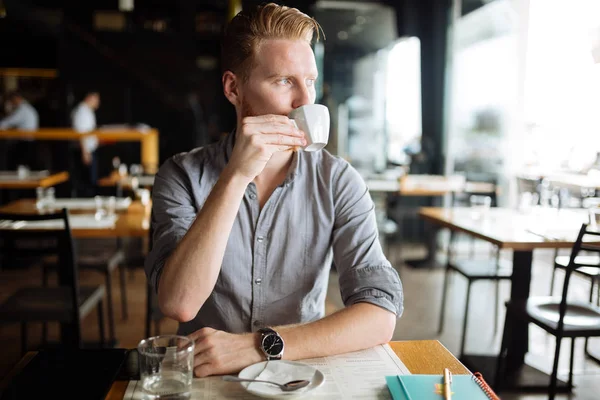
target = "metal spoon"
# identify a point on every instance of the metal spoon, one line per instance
(286, 387)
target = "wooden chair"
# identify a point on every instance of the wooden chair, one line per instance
(559, 316)
(104, 261)
(68, 303)
(590, 270)
(153, 313)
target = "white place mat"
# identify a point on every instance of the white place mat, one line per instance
(144, 180)
(76, 221)
(13, 176)
(122, 203)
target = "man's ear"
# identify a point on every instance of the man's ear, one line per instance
(231, 87)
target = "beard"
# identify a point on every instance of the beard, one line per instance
(247, 110)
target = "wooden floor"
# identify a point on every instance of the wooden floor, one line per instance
(422, 288)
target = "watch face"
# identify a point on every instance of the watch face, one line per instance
(272, 344)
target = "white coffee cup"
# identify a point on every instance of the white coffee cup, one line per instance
(313, 120)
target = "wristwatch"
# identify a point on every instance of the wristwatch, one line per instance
(271, 344)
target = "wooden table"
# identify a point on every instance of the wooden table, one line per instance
(147, 138)
(508, 229)
(419, 356)
(430, 185)
(135, 222)
(125, 182)
(34, 181)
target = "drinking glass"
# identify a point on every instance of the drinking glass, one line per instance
(116, 162)
(40, 200)
(123, 170)
(594, 213)
(166, 364)
(111, 206)
(480, 205)
(144, 196)
(136, 169)
(100, 211)
(50, 197)
(22, 171)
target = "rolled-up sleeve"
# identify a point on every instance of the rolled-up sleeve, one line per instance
(173, 212)
(365, 274)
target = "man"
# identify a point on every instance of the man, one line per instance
(245, 230)
(83, 119)
(22, 116)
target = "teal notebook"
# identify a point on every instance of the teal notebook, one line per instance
(430, 387)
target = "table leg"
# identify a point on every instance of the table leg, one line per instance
(519, 291)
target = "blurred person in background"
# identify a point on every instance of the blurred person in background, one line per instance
(24, 117)
(83, 119)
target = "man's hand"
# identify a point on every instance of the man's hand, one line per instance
(218, 353)
(86, 157)
(258, 138)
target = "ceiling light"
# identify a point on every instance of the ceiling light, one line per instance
(360, 20)
(342, 35)
(126, 5)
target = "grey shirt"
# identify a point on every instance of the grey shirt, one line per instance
(277, 260)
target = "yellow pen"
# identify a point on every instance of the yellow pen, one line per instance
(447, 384)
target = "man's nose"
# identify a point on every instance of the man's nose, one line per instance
(302, 96)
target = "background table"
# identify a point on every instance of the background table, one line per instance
(148, 139)
(508, 229)
(34, 181)
(134, 222)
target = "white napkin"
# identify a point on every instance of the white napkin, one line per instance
(30, 175)
(75, 221)
(281, 371)
(121, 203)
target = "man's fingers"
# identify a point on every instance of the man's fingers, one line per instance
(268, 118)
(203, 370)
(200, 334)
(275, 148)
(280, 139)
(203, 357)
(202, 345)
(286, 127)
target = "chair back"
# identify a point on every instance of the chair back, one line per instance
(54, 231)
(588, 240)
(153, 312)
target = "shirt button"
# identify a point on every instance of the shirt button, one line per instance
(252, 196)
(257, 323)
(258, 281)
(260, 239)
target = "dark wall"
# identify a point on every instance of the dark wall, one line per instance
(428, 20)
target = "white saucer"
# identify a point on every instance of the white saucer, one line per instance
(280, 371)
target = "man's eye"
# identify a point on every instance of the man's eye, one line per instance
(284, 81)
(310, 82)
